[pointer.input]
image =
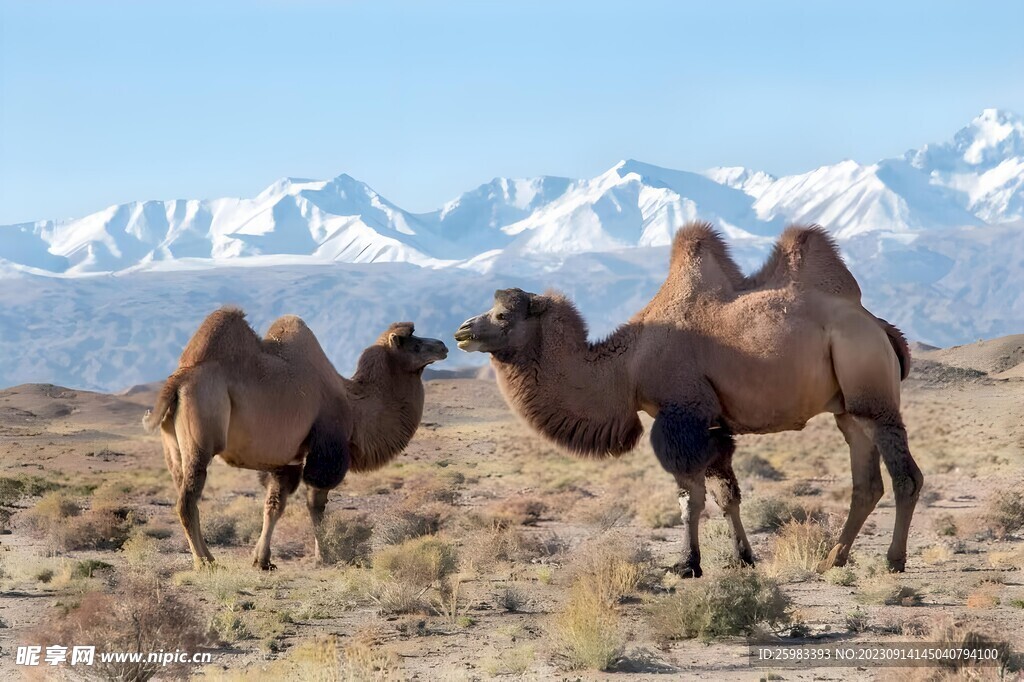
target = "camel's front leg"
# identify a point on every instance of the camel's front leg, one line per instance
(692, 496)
(683, 445)
(726, 491)
(279, 484)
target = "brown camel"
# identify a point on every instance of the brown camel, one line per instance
(278, 406)
(712, 355)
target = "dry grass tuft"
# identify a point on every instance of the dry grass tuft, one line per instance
(514, 662)
(948, 633)
(732, 603)
(798, 549)
(1006, 511)
(613, 566)
(755, 466)
(840, 575)
(772, 513)
(586, 633)
(513, 511)
(420, 562)
(345, 538)
(659, 510)
(886, 589)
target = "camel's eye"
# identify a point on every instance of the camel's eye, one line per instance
(500, 317)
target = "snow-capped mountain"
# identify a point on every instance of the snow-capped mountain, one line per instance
(936, 237)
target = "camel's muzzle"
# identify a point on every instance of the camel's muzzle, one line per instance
(465, 338)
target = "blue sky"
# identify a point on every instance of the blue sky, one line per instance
(105, 102)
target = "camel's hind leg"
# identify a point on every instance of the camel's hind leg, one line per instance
(683, 445)
(279, 484)
(725, 490)
(867, 488)
(889, 436)
(200, 424)
(194, 462)
(316, 503)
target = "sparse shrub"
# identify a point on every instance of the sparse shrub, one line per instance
(772, 513)
(419, 562)
(51, 511)
(14, 488)
(514, 662)
(514, 511)
(364, 659)
(229, 626)
(857, 621)
(717, 546)
(945, 525)
(885, 589)
(804, 489)
(11, 490)
(731, 603)
(613, 566)
(986, 596)
(659, 510)
(511, 599)
(87, 568)
(99, 529)
(453, 605)
(141, 552)
(139, 616)
(587, 633)
(947, 633)
(841, 575)
(406, 522)
(219, 528)
(936, 554)
(392, 596)
(345, 539)
(756, 466)
(1006, 511)
(798, 549)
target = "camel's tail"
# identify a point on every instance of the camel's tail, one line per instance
(899, 344)
(166, 402)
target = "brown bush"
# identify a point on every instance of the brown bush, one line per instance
(345, 538)
(140, 616)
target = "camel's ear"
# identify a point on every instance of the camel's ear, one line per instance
(395, 340)
(538, 304)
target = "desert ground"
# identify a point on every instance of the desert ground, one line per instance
(482, 552)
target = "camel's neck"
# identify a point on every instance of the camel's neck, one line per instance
(386, 409)
(577, 394)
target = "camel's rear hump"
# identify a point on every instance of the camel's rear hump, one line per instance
(224, 334)
(808, 257)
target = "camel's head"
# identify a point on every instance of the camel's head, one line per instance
(411, 352)
(511, 324)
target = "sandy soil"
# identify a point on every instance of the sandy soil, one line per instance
(966, 429)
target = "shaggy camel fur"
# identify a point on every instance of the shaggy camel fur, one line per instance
(278, 406)
(715, 354)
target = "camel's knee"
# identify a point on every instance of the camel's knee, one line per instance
(907, 480)
(682, 442)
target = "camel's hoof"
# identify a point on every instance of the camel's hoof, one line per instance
(746, 559)
(687, 571)
(264, 566)
(834, 559)
(897, 566)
